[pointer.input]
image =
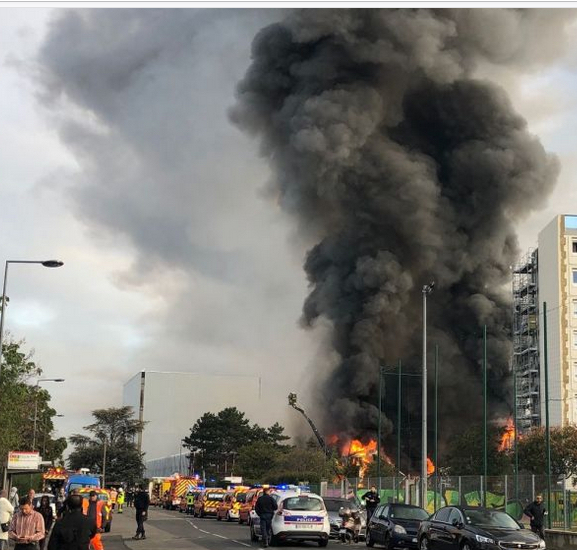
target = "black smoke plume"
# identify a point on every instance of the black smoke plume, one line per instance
(406, 169)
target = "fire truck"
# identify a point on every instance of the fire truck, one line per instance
(179, 486)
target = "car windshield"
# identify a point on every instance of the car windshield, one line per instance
(241, 497)
(490, 518)
(214, 496)
(334, 504)
(303, 503)
(407, 512)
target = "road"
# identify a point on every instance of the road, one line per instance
(166, 529)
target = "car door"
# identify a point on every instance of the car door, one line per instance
(436, 532)
(373, 524)
(378, 519)
(452, 536)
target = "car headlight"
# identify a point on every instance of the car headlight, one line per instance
(486, 540)
(542, 544)
(400, 529)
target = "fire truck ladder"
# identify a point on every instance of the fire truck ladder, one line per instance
(292, 399)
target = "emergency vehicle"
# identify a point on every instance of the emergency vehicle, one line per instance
(103, 495)
(245, 509)
(207, 502)
(229, 507)
(299, 517)
(179, 486)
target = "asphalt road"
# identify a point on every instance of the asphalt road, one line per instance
(171, 529)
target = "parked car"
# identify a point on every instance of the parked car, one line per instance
(475, 528)
(207, 502)
(300, 517)
(395, 525)
(333, 506)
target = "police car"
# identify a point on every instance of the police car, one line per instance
(300, 517)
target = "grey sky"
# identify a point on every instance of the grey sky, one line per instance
(118, 158)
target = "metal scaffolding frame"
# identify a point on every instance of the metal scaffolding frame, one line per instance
(526, 341)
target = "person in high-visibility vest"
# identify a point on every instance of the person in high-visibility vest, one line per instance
(189, 502)
(113, 494)
(94, 509)
(120, 500)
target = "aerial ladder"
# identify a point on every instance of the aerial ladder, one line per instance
(292, 399)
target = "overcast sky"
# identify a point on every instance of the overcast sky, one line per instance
(118, 158)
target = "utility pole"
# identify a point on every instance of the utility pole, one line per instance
(547, 424)
(485, 465)
(427, 289)
(104, 463)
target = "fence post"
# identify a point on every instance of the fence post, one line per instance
(460, 492)
(506, 492)
(533, 489)
(564, 507)
(483, 496)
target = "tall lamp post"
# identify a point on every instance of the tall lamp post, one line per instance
(427, 289)
(45, 263)
(36, 405)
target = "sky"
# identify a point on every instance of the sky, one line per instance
(118, 157)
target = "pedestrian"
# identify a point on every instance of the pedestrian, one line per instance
(74, 530)
(120, 500)
(31, 495)
(536, 513)
(96, 513)
(27, 526)
(6, 511)
(113, 494)
(129, 497)
(14, 498)
(189, 502)
(60, 500)
(141, 504)
(265, 508)
(372, 500)
(45, 510)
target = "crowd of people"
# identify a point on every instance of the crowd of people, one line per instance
(77, 524)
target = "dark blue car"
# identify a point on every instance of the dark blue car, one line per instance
(395, 526)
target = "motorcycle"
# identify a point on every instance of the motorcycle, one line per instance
(351, 525)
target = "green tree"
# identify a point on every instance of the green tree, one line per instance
(464, 455)
(257, 459)
(19, 396)
(532, 451)
(116, 428)
(295, 465)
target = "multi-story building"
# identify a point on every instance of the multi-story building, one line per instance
(545, 281)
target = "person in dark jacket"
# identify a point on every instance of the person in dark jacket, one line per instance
(536, 513)
(141, 503)
(74, 530)
(265, 508)
(372, 500)
(45, 510)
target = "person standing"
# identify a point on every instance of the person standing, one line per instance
(120, 500)
(141, 504)
(372, 500)
(14, 498)
(31, 495)
(94, 510)
(74, 530)
(113, 494)
(6, 511)
(27, 526)
(45, 510)
(265, 508)
(129, 497)
(536, 513)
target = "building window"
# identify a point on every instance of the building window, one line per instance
(574, 243)
(575, 276)
(574, 307)
(575, 339)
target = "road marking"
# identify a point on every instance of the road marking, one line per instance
(243, 543)
(219, 536)
(203, 531)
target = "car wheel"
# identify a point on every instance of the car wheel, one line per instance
(202, 513)
(369, 539)
(274, 541)
(387, 543)
(228, 518)
(253, 536)
(424, 544)
(240, 522)
(466, 546)
(218, 518)
(323, 542)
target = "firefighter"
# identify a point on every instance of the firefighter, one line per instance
(189, 502)
(113, 495)
(94, 509)
(120, 500)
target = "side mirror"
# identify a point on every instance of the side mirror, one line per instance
(456, 523)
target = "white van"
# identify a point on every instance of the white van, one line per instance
(300, 516)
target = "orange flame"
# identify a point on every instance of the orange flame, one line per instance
(508, 438)
(430, 467)
(333, 439)
(361, 454)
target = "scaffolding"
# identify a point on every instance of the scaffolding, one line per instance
(526, 341)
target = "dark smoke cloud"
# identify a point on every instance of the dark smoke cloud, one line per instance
(405, 169)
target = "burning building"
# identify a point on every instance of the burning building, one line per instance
(401, 167)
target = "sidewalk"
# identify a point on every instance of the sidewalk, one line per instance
(124, 528)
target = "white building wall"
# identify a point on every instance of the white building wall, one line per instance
(174, 401)
(558, 287)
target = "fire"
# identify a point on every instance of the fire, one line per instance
(508, 438)
(333, 439)
(430, 467)
(361, 454)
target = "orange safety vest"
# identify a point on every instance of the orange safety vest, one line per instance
(99, 508)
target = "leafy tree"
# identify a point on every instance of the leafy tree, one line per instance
(532, 451)
(387, 469)
(257, 459)
(464, 454)
(216, 440)
(19, 397)
(296, 465)
(116, 428)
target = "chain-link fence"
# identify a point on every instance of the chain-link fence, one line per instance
(510, 493)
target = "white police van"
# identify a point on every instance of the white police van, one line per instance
(300, 517)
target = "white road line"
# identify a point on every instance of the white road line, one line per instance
(243, 543)
(203, 531)
(219, 536)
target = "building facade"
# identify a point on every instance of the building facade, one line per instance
(171, 402)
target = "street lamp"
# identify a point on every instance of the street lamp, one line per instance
(45, 263)
(427, 289)
(36, 405)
